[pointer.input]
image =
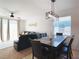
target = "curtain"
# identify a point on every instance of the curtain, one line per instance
(8, 30)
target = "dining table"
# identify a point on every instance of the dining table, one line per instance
(55, 43)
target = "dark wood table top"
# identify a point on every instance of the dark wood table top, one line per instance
(55, 41)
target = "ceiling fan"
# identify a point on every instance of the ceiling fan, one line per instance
(11, 12)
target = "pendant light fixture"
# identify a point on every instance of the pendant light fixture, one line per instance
(52, 14)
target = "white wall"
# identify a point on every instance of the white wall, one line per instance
(38, 25)
(21, 26)
(36, 17)
(41, 26)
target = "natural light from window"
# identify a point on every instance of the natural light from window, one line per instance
(63, 25)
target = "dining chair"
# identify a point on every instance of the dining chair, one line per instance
(59, 34)
(36, 49)
(67, 47)
(48, 52)
(41, 51)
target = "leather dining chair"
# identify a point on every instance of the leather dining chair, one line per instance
(59, 34)
(67, 48)
(36, 50)
(41, 51)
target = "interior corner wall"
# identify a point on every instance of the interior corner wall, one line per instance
(74, 24)
(75, 30)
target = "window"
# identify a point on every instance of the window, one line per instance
(63, 25)
(8, 30)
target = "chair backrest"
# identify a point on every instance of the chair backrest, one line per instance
(72, 38)
(42, 51)
(69, 40)
(36, 49)
(45, 34)
(59, 34)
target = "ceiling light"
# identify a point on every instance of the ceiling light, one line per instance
(52, 14)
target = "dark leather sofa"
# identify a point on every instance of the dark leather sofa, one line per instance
(22, 43)
(25, 40)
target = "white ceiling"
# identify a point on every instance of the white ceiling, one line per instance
(27, 8)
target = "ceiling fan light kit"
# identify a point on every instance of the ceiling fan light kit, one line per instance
(53, 0)
(12, 15)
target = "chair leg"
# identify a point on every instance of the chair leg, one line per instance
(71, 53)
(67, 55)
(32, 56)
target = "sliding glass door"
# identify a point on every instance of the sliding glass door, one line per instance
(8, 32)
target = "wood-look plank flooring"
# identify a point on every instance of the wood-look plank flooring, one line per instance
(11, 53)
